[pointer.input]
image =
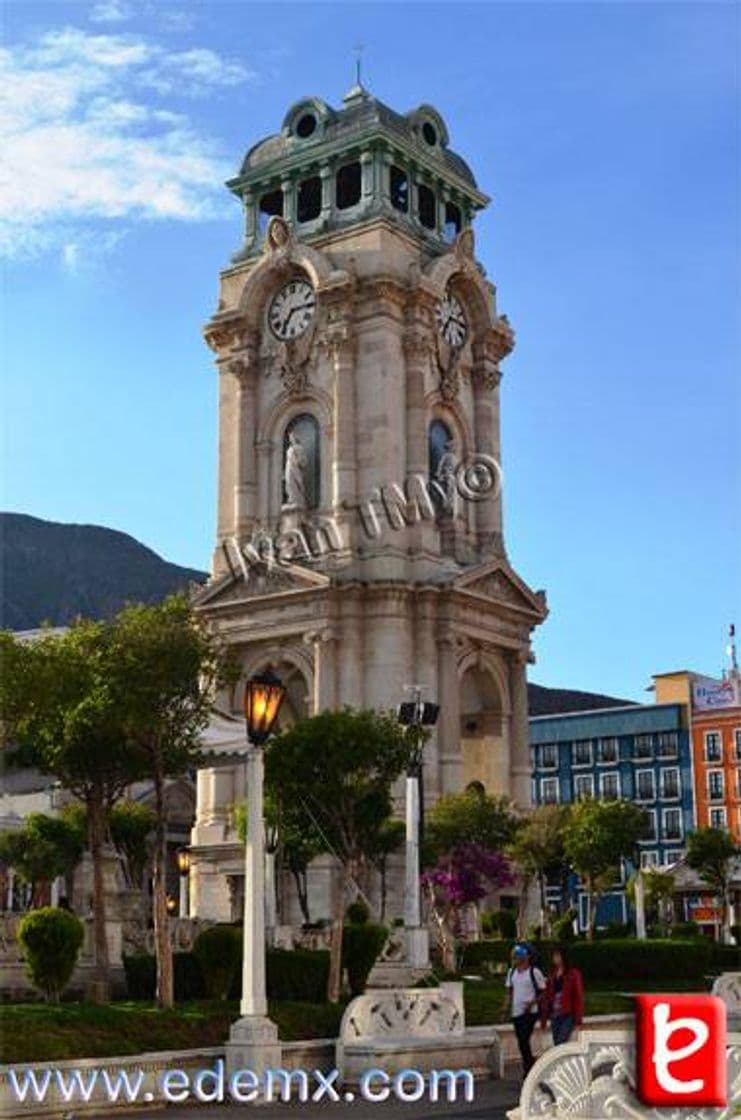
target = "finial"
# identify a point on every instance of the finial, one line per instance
(731, 648)
(358, 49)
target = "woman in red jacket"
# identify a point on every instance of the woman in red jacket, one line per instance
(563, 1002)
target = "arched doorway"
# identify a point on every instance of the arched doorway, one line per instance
(484, 731)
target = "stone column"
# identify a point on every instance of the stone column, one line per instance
(243, 367)
(350, 665)
(289, 200)
(264, 452)
(519, 732)
(344, 483)
(367, 171)
(250, 225)
(327, 178)
(425, 672)
(417, 344)
(485, 382)
(449, 720)
(324, 669)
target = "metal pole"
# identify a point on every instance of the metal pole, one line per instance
(254, 1000)
(640, 906)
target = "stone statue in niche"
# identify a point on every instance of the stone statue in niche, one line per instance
(294, 474)
(446, 477)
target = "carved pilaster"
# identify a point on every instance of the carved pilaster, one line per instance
(324, 642)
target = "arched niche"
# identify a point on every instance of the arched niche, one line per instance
(301, 463)
(484, 725)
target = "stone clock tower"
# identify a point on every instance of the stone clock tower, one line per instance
(360, 542)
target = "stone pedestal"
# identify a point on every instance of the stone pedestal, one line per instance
(253, 1044)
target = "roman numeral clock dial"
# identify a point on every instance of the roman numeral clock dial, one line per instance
(292, 310)
(451, 321)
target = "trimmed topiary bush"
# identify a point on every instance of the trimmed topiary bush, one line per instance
(298, 974)
(218, 951)
(357, 913)
(361, 945)
(500, 923)
(140, 970)
(50, 939)
(683, 930)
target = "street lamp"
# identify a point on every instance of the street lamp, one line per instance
(413, 715)
(183, 862)
(253, 1039)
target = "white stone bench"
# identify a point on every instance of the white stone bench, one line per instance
(413, 1028)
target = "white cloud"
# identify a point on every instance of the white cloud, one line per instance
(82, 140)
(111, 11)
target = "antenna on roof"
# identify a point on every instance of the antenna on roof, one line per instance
(358, 49)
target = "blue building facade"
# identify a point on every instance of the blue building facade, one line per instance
(641, 754)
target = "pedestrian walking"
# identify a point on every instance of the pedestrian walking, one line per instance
(525, 984)
(563, 1002)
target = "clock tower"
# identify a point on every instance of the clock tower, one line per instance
(360, 543)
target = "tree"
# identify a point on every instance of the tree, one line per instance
(41, 850)
(538, 850)
(471, 817)
(465, 875)
(50, 939)
(336, 770)
(132, 825)
(164, 669)
(711, 852)
(658, 888)
(60, 713)
(598, 835)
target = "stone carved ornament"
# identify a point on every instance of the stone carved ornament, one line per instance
(424, 1013)
(594, 1079)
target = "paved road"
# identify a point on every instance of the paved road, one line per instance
(491, 1101)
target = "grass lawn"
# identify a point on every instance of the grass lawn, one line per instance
(31, 1032)
(35, 1032)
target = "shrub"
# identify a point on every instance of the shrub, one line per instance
(50, 939)
(499, 923)
(724, 958)
(357, 913)
(361, 945)
(563, 926)
(298, 974)
(683, 930)
(141, 974)
(642, 960)
(218, 951)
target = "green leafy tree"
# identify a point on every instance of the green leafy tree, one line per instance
(337, 769)
(538, 851)
(164, 669)
(711, 852)
(60, 712)
(388, 839)
(132, 825)
(50, 939)
(41, 850)
(658, 890)
(471, 817)
(598, 835)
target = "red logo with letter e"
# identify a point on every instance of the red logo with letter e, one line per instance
(681, 1050)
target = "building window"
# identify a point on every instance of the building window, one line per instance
(309, 199)
(301, 465)
(306, 126)
(549, 791)
(716, 785)
(348, 186)
(650, 836)
(672, 826)
(670, 784)
(650, 859)
(667, 743)
(737, 743)
(581, 753)
(609, 785)
(426, 205)
(270, 205)
(583, 786)
(607, 751)
(713, 746)
(718, 818)
(453, 221)
(549, 756)
(643, 746)
(672, 855)
(399, 189)
(645, 785)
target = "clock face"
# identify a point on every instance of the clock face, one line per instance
(292, 310)
(451, 321)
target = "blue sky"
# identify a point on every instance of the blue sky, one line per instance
(607, 134)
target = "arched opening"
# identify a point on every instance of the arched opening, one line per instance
(442, 464)
(301, 475)
(453, 221)
(484, 732)
(348, 186)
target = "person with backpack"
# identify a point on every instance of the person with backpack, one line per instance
(563, 1002)
(525, 984)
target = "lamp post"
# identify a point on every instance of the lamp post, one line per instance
(415, 714)
(253, 1038)
(183, 860)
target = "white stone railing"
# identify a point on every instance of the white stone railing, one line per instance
(593, 1078)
